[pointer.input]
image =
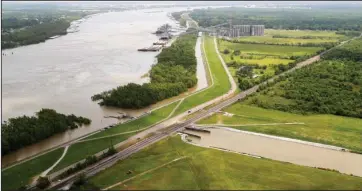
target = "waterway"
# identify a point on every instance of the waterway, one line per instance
(63, 73)
(297, 153)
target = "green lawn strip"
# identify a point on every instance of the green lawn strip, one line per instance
(291, 41)
(20, 175)
(180, 170)
(328, 129)
(213, 169)
(301, 33)
(272, 50)
(140, 123)
(79, 151)
(221, 80)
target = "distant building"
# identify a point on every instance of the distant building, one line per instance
(200, 34)
(242, 30)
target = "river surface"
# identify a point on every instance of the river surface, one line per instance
(281, 150)
(63, 73)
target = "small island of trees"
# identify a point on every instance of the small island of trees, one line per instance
(22, 131)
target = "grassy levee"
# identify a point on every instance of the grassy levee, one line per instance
(81, 150)
(219, 75)
(205, 168)
(328, 129)
(139, 123)
(20, 175)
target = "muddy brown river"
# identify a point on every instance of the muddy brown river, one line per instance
(63, 73)
(280, 150)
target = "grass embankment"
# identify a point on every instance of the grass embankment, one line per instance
(213, 169)
(22, 174)
(329, 129)
(81, 150)
(219, 75)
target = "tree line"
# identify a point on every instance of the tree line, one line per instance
(22, 131)
(280, 18)
(34, 34)
(331, 86)
(174, 73)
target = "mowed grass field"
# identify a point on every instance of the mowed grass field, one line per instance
(22, 174)
(271, 50)
(294, 37)
(205, 169)
(219, 75)
(329, 129)
(301, 33)
(292, 41)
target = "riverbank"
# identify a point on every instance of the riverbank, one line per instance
(43, 31)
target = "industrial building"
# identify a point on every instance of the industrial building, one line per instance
(242, 30)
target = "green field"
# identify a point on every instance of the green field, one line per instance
(221, 81)
(270, 50)
(291, 41)
(294, 37)
(213, 169)
(329, 129)
(301, 33)
(20, 175)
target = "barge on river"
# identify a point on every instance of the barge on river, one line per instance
(152, 48)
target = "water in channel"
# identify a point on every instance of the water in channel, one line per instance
(297, 153)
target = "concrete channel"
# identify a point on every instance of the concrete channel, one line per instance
(279, 149)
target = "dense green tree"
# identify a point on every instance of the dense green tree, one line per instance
(327, 87)
(22, 131)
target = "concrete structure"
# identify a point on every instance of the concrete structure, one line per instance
(242, 30)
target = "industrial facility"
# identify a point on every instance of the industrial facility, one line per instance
(241, 30)
(246, 30)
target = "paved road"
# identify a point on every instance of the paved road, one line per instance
(107, 162)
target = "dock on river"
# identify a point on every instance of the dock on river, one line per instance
(152, 48)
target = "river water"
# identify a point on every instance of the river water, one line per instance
(63, 73)
(281, 150)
